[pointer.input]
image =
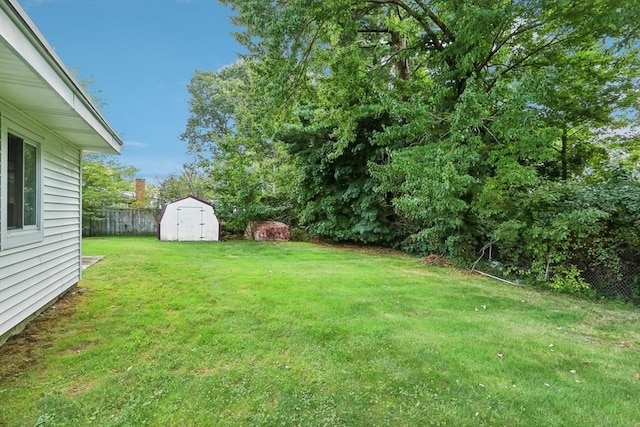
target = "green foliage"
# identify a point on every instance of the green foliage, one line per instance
(249, 174)
(191, 181)
(501, 122)
(104, 179)
(483, 102)
(104, 182)
(337, 193)
(249, 187)
(593, 225)
(88, 84)
(569, 281)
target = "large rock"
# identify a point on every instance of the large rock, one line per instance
(267, 230)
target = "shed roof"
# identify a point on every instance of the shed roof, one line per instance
(34, 80)
(173, 201)
(190, 197)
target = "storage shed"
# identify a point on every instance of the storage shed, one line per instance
(188, 220)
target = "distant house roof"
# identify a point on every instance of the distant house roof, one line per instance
(34, 80)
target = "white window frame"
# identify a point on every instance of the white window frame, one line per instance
(13, 238)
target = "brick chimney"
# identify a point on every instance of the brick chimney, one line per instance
(140, 189)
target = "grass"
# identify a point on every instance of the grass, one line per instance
(244, 333)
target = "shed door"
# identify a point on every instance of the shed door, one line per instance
(190, 223)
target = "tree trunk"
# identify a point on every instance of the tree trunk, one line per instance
(402, 67)
(563, 155)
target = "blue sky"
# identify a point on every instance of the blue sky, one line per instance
(141, 55)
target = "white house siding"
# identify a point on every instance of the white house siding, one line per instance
(39, 95)
(35, 275)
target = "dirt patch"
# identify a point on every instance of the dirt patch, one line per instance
(79, 388)
(77, 350)
(21, 351)
(436, 260)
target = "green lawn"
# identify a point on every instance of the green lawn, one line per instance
(245, 333)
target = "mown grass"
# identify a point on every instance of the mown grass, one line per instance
(244, 333)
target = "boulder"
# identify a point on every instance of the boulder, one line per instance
(267, 230)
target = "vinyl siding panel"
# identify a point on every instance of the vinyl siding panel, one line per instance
(30, 269)
(34, 275)
(29, 288)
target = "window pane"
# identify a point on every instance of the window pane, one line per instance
(14, 182)
(30, 185)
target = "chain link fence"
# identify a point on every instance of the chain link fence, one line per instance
(622, 282)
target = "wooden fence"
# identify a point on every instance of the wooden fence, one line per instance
(122, 222)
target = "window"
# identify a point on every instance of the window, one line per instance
(22, 178)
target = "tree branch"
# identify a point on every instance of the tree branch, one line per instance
(436, 20)
(374, 30)
(419, 19)
(521, 62)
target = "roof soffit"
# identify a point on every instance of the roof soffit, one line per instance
(34, 80)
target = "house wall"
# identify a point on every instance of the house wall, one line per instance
(33, 276)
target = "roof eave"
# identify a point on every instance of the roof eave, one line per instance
(95, 133)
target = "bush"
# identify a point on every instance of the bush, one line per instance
(561, 228)
(568, 280)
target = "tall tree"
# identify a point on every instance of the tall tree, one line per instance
(337, 194)
(478, 94)
(190, 181)
(104, 182)
(250, 173)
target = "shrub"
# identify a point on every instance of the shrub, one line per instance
(568, 280)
